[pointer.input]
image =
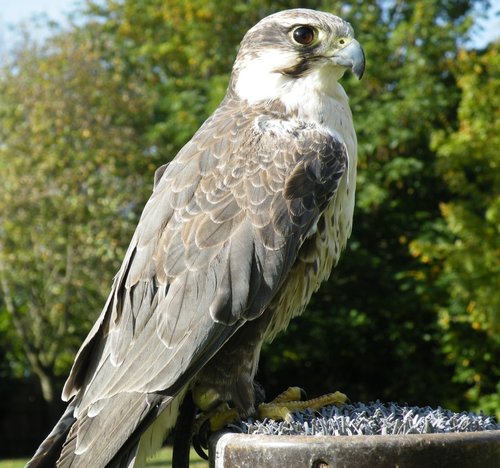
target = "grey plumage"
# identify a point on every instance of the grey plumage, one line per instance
(241, 228)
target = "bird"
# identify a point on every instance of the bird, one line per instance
(241, 228)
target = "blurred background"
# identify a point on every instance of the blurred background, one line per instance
(95, 95)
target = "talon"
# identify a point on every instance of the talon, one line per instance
(199, 444)
(210, 422)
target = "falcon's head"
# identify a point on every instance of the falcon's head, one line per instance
(290, 45)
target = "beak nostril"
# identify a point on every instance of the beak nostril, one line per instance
(351, 56)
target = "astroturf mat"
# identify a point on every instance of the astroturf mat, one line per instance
(374, 418)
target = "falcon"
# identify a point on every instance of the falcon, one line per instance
(241, 228)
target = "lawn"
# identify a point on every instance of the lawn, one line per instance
(162, 459)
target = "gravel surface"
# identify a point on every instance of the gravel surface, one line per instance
(374, 418)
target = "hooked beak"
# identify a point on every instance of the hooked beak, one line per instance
(351, 56)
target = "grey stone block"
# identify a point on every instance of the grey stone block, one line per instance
(451, 450)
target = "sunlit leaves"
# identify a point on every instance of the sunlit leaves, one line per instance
(469, 252)
(73, 175)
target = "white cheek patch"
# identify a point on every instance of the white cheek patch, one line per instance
(259, 78)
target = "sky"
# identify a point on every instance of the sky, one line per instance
(15, 11)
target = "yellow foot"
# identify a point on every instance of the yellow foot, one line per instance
(282, 407)
(222, 418)
(214, 413)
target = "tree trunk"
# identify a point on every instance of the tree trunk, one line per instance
(44, 373)
(49, 386)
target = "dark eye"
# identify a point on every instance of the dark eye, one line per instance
(303, 35)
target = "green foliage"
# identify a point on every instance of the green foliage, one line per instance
(410, 314)
(70, 194)
(182, 52)
(463, 246)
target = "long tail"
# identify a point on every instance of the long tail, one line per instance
(105, 434)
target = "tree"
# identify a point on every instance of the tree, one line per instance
(73, 171)
(463, 246)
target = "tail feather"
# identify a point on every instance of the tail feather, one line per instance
(99, 435)
(107, 434)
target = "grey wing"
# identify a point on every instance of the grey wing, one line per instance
(214, 243)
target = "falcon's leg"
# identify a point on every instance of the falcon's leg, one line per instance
(219, 413)
(216, 413)
(226, 392)
(279, 409)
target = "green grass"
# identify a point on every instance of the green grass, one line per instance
(163, 459)
(12, 463)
